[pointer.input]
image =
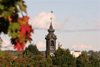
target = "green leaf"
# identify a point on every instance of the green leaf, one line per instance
(5, 14)
(0, 0)
(13, 28)
(22, 6)
(1, 7)
(15, 35)
(16, 9)
(11, 9)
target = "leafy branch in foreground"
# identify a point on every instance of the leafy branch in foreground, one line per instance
(10, 22)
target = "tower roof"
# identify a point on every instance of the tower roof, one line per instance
(51, 28)
(51, 32)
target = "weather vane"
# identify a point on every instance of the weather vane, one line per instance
(51, 15)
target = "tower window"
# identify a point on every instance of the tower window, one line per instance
(52, 45)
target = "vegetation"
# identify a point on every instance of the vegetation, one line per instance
(93, 53)
(31, 57)
(83, 61)
(63, 58)
(1, 53)
(31, 50)
(13, 25)
(20, 32)
(94, 57)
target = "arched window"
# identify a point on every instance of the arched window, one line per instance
(52, 45)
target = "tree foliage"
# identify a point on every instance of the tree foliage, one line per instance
(10, 22)
(83, 61)
(94, 61)
(94, 57)
(63, 58)
(31, 50)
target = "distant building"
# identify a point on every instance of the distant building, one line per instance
(75, 53)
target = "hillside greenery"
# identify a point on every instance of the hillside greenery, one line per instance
(31, 57)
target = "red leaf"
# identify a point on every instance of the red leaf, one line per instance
(22, 46)
(24, 32)
(19, 47)
(23, 28)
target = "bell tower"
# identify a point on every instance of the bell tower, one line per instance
(50, 41)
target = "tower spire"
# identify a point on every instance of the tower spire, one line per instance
(51, 27)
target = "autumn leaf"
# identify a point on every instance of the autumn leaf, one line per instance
(9, 18)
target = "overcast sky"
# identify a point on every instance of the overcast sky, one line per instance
(76, 23)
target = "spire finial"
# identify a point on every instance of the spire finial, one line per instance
(51, 15)
(51, 27)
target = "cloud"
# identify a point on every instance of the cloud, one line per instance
(82, 47)
(96, 28)
(67, 19)
(41, 46)
(98, 20)
(42, 21)
(6, 45)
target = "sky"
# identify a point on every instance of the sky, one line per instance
(76, 23)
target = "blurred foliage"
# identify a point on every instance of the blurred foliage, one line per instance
(61, 58)
(9, 10)
(31, 50)
(13, 25)
(1, 53)
(31, 57)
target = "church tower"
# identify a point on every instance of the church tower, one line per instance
(50, 41)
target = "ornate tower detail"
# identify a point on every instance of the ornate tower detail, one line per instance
(50, 41)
